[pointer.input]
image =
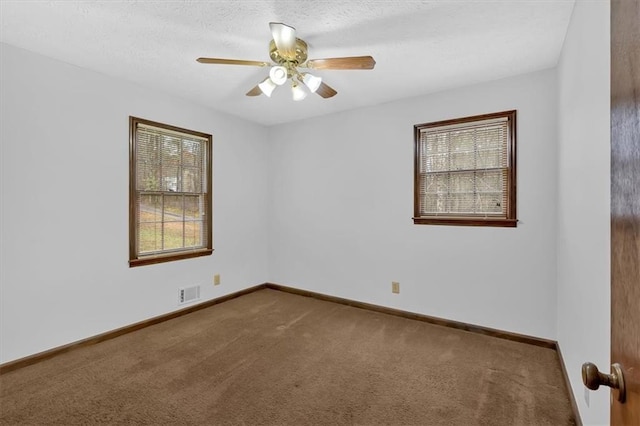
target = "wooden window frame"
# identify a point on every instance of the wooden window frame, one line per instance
(135, 259)
(510, 219)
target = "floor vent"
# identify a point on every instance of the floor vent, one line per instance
(189, 294)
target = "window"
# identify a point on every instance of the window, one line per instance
(465, 171)
(169, 193)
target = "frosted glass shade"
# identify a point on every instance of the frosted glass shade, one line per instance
(311, 81)
(267, 87)
(298, 92)
(278, 75)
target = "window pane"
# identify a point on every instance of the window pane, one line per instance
(436, 183)
(173, 216)
(193, 235)
(171, 149)
(462, 203)
(490, 158)
(490, 203)
(490, 181)
(149, 237)
(192, 153)
(173, 235)
(462, 182)
(434, 203)
(462, 160)
(491, 188)
(191, 179)
(491, 146)
(435, 153)
(150, 208)
(491, 137)
(437, 143)
(193, 208)
(148, 162)
(461, 148)
(173, 208)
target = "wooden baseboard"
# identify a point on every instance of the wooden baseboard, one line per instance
(567, 382)
(41, 356)
(545, 343)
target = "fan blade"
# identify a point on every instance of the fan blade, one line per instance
(285, 38)
(326, 91)
(255, 91)
(348, 63)
(232, 62)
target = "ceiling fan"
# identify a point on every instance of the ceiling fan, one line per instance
(289, 53)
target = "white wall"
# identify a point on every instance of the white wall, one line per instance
(583, 201)
(341, 201)
(65, 159)
(336, 201)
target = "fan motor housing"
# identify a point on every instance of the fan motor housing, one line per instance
(301, 53)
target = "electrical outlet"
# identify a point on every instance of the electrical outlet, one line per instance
(395, 287)
(216, 279)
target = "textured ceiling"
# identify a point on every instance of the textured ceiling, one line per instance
(420, 46)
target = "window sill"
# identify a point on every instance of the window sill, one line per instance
(466, 221)
(161, 258)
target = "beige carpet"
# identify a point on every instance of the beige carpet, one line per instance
(273, 358)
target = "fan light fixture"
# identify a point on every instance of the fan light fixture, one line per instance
(278, 75)
(288, 53)
(311, 81)
(297, 91)
(267, 86)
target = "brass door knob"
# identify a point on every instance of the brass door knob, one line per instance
(592, 378)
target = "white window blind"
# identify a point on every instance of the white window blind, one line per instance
(463, 169)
